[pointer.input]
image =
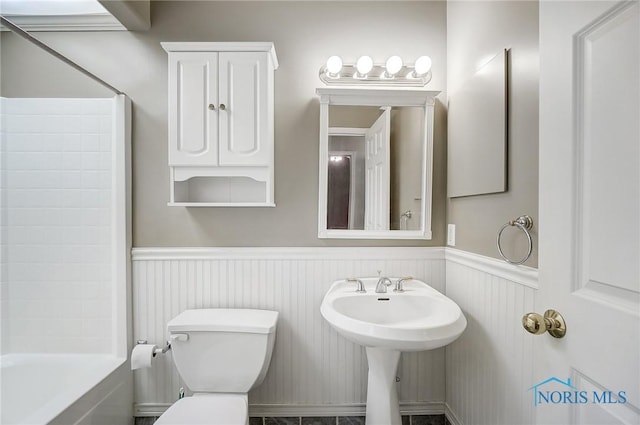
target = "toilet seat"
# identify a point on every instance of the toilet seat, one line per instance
(209, 409)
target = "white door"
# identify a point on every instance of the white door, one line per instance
(377, 173)
(193, 115)
(589, 263)
(244, 102)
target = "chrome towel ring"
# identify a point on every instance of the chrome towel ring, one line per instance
(524, 223)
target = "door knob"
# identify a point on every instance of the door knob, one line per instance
(551, 322)
(222, 107)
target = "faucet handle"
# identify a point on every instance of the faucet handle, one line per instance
(358, 282)
(399, 287)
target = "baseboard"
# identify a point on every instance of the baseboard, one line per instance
(450, 414)
(307, 410)
(149, 409)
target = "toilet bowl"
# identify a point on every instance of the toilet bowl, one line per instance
(220, 355)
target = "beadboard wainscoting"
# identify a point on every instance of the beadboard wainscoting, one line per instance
(490, 367)
(313, 371)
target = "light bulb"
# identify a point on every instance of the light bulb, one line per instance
(422, 66)
(334, 65)
(394, 65)
(364, 65)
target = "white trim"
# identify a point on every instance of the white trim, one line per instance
(376, 96)
(347, 131)
(197, 46)
(522, 275)
(308, 410)
(264, 253)
(374, 234)
(222, 204)
(102, 22)
(451, 415)
(121, 224)
(149, 409)
(357, 409)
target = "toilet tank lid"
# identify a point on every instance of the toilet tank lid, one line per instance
(225, 320)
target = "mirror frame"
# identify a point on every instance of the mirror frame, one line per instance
(376, 97)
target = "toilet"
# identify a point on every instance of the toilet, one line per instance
(220, 354)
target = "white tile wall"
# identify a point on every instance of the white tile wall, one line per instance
(56, 186)
(313, 369)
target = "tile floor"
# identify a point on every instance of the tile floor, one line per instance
(325, 420)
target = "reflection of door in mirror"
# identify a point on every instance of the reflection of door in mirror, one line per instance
(377, 175)
(346, 142)
(341, 175)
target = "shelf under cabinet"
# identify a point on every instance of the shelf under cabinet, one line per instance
(221, 204)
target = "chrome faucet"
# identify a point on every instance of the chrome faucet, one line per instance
(358, 282)
(383, 282)
(399, 284)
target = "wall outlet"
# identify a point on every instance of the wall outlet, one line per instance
(451, 235)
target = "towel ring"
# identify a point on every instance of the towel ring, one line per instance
(524, 223)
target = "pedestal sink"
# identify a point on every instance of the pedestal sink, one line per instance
(420, 318)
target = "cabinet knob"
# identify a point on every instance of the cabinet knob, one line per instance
(222, 107)
(212, 107)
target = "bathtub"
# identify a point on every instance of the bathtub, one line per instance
(65, 389)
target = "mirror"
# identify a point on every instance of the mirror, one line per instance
(375, 163)
(477, 150)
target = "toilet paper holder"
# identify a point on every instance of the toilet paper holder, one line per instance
(157, 351)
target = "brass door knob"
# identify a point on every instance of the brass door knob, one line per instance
(551, 322)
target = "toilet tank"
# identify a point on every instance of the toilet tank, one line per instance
(222, 350)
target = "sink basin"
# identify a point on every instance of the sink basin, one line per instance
(420, 318)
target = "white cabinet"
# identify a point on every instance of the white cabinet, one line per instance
(221, 123)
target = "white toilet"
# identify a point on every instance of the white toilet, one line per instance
(220, 354)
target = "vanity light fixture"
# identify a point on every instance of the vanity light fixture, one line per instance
(393, 73)
(422, 66)
(364, 65)
(393, 66)
(334, 66)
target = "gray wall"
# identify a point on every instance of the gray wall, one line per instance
(476, 31)
(28, 71)
(305, 35)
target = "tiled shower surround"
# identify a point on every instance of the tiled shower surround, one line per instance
(56, 225)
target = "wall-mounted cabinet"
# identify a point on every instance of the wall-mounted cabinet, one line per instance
(221, 101)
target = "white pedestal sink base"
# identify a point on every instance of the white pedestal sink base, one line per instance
(387, 324)
(382, 397)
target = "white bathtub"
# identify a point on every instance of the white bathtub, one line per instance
(65, 389)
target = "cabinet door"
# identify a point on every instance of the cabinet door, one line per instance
(193, 126)
(244, 126)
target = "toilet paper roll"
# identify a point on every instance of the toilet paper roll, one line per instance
(142, 355)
